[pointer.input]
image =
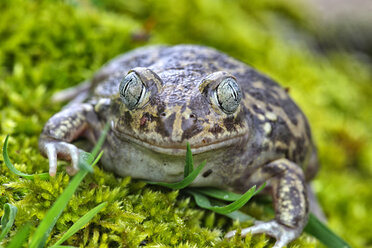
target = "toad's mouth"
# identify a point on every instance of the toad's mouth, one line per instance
(180, 149)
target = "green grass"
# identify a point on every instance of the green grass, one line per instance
(185, 182)
(7, 219)
(200, 195)
(79, 224)
(47, 224)
(47, 46)
(45, 227)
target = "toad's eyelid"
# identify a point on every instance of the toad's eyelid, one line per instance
(138, 86)
(211, 81)
(149, 78)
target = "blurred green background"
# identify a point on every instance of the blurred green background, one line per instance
(46, 46)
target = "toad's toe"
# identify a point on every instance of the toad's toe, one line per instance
(281, 233)
(62, 150)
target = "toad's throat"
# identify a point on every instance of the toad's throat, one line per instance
(180, 149)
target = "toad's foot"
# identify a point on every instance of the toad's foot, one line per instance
(286, 182)
(61, 150)
(63, 128)
(281, 233)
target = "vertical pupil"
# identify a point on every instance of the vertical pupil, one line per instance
(127, 85)
(233, 91)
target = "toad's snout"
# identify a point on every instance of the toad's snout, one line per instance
(178, 126)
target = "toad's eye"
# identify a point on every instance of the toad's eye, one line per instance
(228, 95)
(132, 90)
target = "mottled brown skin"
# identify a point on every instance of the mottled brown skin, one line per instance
(267, 138)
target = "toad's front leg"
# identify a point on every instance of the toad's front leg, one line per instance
(288, 190)
(61, 129)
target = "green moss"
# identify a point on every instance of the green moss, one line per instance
(47, 46)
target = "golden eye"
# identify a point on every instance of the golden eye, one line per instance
(132, 90)
(228, 95)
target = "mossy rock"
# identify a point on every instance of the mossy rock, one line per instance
(46, 46)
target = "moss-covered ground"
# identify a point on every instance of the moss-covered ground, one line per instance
(46, 46)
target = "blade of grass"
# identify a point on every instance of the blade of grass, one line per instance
(20, 237)
(219, 194)
(320, 231)
(43, 230)
(84, 157)
(97, 159)
(185, 182)
(100, 141)
(7, 219)
(189, 166)
(204, 202)
(64, 246)
(239, 215)
(79, 224)
(11, 167)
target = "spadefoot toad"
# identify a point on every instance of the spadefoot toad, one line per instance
(158, 98)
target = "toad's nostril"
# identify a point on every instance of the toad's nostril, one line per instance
(207, 173)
